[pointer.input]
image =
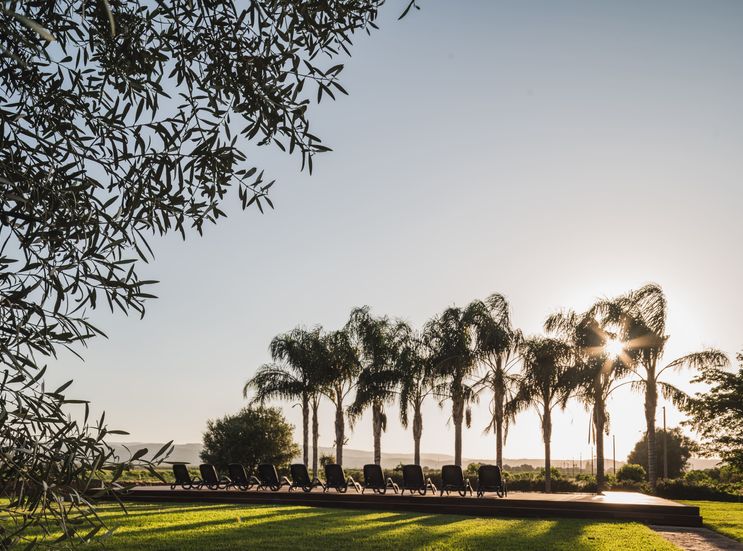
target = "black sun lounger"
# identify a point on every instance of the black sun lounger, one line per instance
(490, 479)
(301, 478)
(336, 478)
(269, 478)
(211, 479)
(414, 481)
(239, 477)
(374, 480)
(183, 478)
(452, 480)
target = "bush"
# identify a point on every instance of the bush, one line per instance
(471, 469)
(554, 473)
(683, 489)
(632, 472)
(250, 437)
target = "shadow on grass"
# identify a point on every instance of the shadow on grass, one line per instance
(278, 527)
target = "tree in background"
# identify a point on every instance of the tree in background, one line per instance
(294, 375)
(680, 449)
(452, 345)
(120, 121)
(414, 375)
(375, 342)
(640, 316)
(340, 368)
(717, 415)
(251, 437)
(596, 370)
(496, 348)
(546, 382)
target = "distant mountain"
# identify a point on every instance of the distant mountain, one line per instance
(355, 459)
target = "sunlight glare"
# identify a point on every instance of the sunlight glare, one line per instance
(614, 347)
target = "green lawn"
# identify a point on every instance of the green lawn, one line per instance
(238, 527)
(726, 518)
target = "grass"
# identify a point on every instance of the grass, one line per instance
(723, 517)
(191, 527)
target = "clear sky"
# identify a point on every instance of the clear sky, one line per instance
(552, 152)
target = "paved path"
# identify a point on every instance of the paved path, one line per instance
(697, 539)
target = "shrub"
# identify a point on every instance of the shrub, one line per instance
(554, 473)
(683, 489)
(632, 472)
(252, 436)
(472, 469)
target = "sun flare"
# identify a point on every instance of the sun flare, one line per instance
(614, 347)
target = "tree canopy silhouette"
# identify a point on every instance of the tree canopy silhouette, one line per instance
(680, 449)
(251, 437)
(717, 415)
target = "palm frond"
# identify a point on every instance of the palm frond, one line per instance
(706, 359)
(678, 397)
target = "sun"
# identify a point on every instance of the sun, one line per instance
(614, 347)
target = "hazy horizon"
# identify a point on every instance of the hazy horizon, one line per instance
(553, 154)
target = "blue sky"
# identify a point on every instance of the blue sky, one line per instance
(552, 152)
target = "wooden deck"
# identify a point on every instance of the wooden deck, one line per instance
(609, 506)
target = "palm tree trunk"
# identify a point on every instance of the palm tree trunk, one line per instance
(498, 400)
(547, 434)
(340, 425)
(651, 402)
(377, 431)
(457, 414)
(417, 432)
(315, 435)
(306, 429)
(599, 424)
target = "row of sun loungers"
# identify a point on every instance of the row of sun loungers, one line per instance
(489, 479)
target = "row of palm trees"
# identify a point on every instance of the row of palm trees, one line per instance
(465, 353)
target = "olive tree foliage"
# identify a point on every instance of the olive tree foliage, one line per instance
(121, 120)
(53, 468)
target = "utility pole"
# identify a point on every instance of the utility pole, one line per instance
(614, 452)
(665, 445)
(591, 460)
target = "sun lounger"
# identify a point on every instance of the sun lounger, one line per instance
(239, 477)
(374, 480)
(183, 478)
(414, 481)
(336, 478)
(490, 479)
(452, 480)
(211, 479)
(301, 478)
(269, 478)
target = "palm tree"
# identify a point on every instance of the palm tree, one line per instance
(452, 345)
(374, 338)
(546, 382)
(640, 316)
(340, 367)
(597, 369)
(496, 349)
(414, 376)
(293, 375)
